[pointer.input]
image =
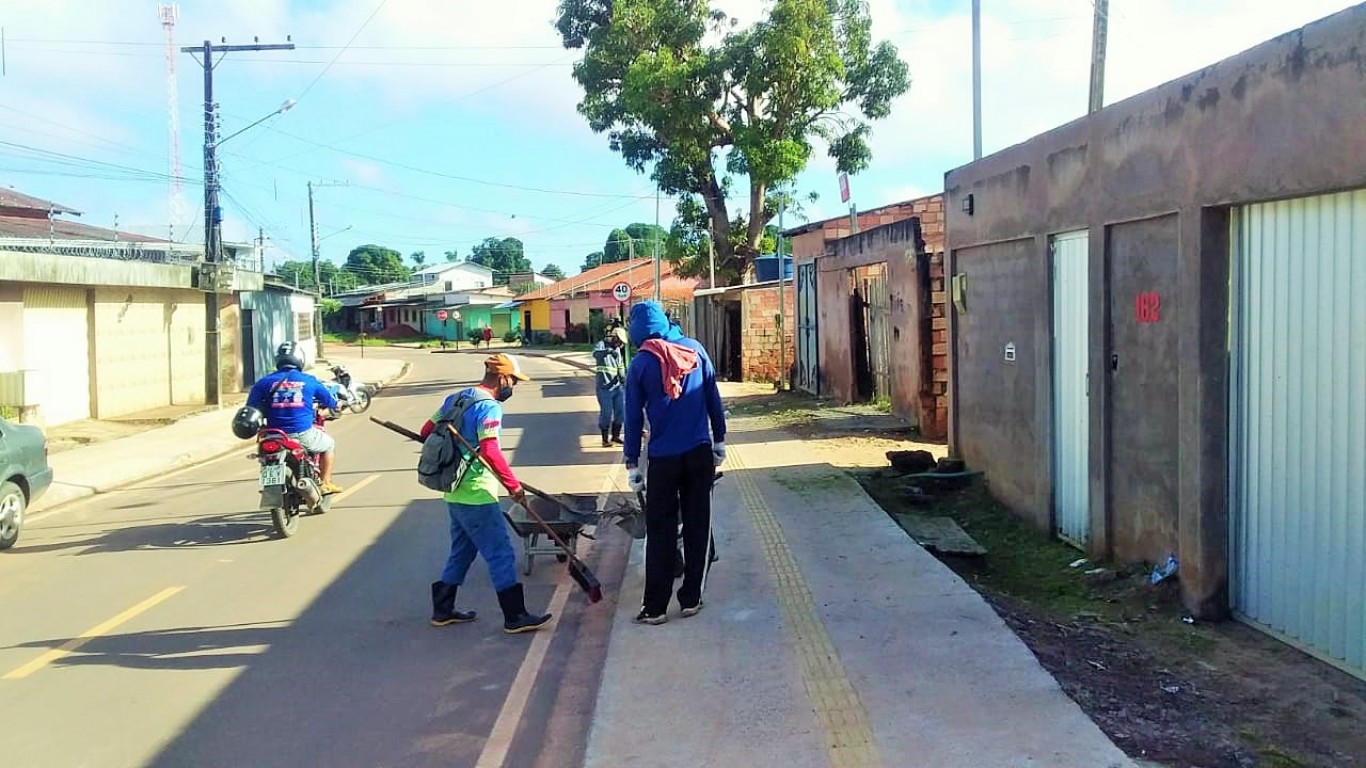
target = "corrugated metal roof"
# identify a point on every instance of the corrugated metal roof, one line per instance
(639, 273)
(18, 226)
(12, 199)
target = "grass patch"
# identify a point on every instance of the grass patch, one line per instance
(1022, 562)
(779, 409)
(354, 339)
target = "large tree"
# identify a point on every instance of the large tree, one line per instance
(419, 258)
(553, 272)
(751, 105)
(334, 278)
(375, 265)
(504, 257)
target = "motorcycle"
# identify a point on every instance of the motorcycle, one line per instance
(290, 478)
(352, 395)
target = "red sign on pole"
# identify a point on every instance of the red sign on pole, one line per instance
(441, 315)
(844, 187)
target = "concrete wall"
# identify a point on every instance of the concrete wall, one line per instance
(902, 249)
(148, 349)
(11, 326)
(1152, 178)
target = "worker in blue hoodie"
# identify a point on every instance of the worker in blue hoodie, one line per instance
(671, 382)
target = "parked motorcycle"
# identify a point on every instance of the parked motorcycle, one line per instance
(351, 394)
(290, 479)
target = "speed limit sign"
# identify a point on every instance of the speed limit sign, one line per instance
(621, 291)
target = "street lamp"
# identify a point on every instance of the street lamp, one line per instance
(288, 105)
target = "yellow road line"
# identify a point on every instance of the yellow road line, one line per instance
(65, 649)
(359, 485)
(496, 748)
(848, 731)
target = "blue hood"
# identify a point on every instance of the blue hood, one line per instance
(648, 321)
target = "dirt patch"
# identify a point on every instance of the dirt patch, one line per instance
(1165, 690)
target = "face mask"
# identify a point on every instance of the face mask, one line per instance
(504, 391)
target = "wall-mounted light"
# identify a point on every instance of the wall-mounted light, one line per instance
(967, 205)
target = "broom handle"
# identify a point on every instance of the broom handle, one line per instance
(551, 531)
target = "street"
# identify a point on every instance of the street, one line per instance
(164, 625)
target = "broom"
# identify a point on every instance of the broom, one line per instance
(578, 571)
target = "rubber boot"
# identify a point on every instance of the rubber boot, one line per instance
(443, 606)
(605, 442)
(515, 618)
(616, 434)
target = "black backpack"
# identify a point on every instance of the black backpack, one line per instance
(443, 462)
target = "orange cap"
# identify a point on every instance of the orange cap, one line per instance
(505, 365)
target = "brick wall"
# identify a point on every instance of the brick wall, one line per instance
(760, 355)
(936, 400)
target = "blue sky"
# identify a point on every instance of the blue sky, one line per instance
(449, 121)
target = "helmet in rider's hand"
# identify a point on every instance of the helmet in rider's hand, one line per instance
(287, 355)
(247, 422)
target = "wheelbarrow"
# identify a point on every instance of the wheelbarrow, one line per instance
(566, 518)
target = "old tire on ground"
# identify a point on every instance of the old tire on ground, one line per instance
(13, 503)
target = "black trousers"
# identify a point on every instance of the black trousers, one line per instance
(677, 487)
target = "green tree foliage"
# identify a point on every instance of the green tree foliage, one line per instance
(504, 257)
(686, 245)
(553, 272)
(334, 278)
(418, 257)
(452, 255)
(640, 237)
(592, 260)
(751, 105)
(375, 264)
(520, 288)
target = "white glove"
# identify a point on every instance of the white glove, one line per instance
(718, 452)
(636, 479)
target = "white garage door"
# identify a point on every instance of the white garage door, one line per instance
(1298, 431)
(57, 342)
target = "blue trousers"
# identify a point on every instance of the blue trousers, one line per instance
(611, 407)
(479, 529)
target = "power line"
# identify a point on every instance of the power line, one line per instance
(368, 19)
(456, 177)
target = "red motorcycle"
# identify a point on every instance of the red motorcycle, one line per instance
(290, 479)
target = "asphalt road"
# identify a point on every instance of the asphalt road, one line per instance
(163, 624)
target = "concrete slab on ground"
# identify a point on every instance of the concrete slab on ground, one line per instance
(829, 637)
(127, 458)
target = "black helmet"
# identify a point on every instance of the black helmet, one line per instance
(247, 422)
(287, 356)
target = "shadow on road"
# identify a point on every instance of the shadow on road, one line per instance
(359, 677)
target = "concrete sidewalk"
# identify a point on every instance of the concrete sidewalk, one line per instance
(828, 639)
(104, 466)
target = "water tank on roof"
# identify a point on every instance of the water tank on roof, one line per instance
(766, 267)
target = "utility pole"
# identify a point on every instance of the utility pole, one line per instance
(976, 79)
(213, 215)
(313, 236)
(1098, 34)
(711, 258)
(657, 292)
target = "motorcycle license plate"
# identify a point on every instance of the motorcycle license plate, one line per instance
(272, 474)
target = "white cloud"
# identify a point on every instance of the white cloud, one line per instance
(1035, 73)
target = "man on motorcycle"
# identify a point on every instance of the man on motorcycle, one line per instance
(287, 397)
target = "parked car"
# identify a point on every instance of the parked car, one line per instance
(24, 476)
